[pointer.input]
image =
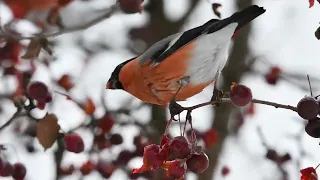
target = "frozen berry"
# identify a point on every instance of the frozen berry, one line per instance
(6, 169)
(151, 156)
(87, 168)
(180, 147)
(105, 169)
(38, 91)
(210, 137)
(74, 143)
(308, 108)
(19, 171)
(116, 139)
(175, 169)
(225, 170)
(198, 163)
(130, 6)
(240, 95)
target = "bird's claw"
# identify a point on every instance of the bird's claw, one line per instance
(217, 95)
(175, 109)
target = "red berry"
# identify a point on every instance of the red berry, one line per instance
(106, 124)
(105, 169)
(116, 139)
(180, 147)
(87, 168)
(130, 6)
(308, 108)
(124, 157)
(240, 95)
(225, 170)
(38, 91)
(74, 143)
(19, 171)
(151, 156)
(198, 163)
(210, 137)
(273, 75)
(6, 169)
(176, 169)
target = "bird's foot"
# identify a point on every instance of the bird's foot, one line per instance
(217, 95)
(175, 109)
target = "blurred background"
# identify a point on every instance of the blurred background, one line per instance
(272, 55)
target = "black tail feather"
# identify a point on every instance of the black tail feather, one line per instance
(242, 18)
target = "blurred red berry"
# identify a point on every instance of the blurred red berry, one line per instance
(6, 169)
(87, 168)
(106, 123)
(74, 143)
(180, 147)
(105, 169)
(19, 171)
(11, 52)
(225, 170)
(116, 139)
(308, 108)
(308, 174)
(11, 70)
(198, 163)
(65, 82)
(124, 157)
(273, 75)
(131, 6)
(175, 169)
(38, 91)
(250, 109)
(240, 95)
(210, 137)
(311, 3)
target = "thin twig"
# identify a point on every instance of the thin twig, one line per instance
(15, 115)
(110, 11)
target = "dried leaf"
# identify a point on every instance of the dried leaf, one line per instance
(215, 7)
(45, 45)
(89, 107)
(48, 130)
(33, 49)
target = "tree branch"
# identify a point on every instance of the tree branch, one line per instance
(18, 113)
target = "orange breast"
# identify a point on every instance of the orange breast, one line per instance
(158, 84)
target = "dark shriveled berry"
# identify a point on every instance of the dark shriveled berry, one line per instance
(308, 108)
(198, 163)
(240, 95)
(116, 139)
(180, 147)
(313, 129)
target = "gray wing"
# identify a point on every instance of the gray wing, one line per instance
(157, 49)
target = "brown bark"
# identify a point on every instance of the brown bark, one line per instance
(232, 72)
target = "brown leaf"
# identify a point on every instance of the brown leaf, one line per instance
(215, 7)
(48, 130)
(33, 49)
(45, 45)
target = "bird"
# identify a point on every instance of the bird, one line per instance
(182, 64)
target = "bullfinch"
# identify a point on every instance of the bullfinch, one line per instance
(185, 62)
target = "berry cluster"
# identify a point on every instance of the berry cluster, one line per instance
(309, 108)
(17, 171)
(175, 156)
